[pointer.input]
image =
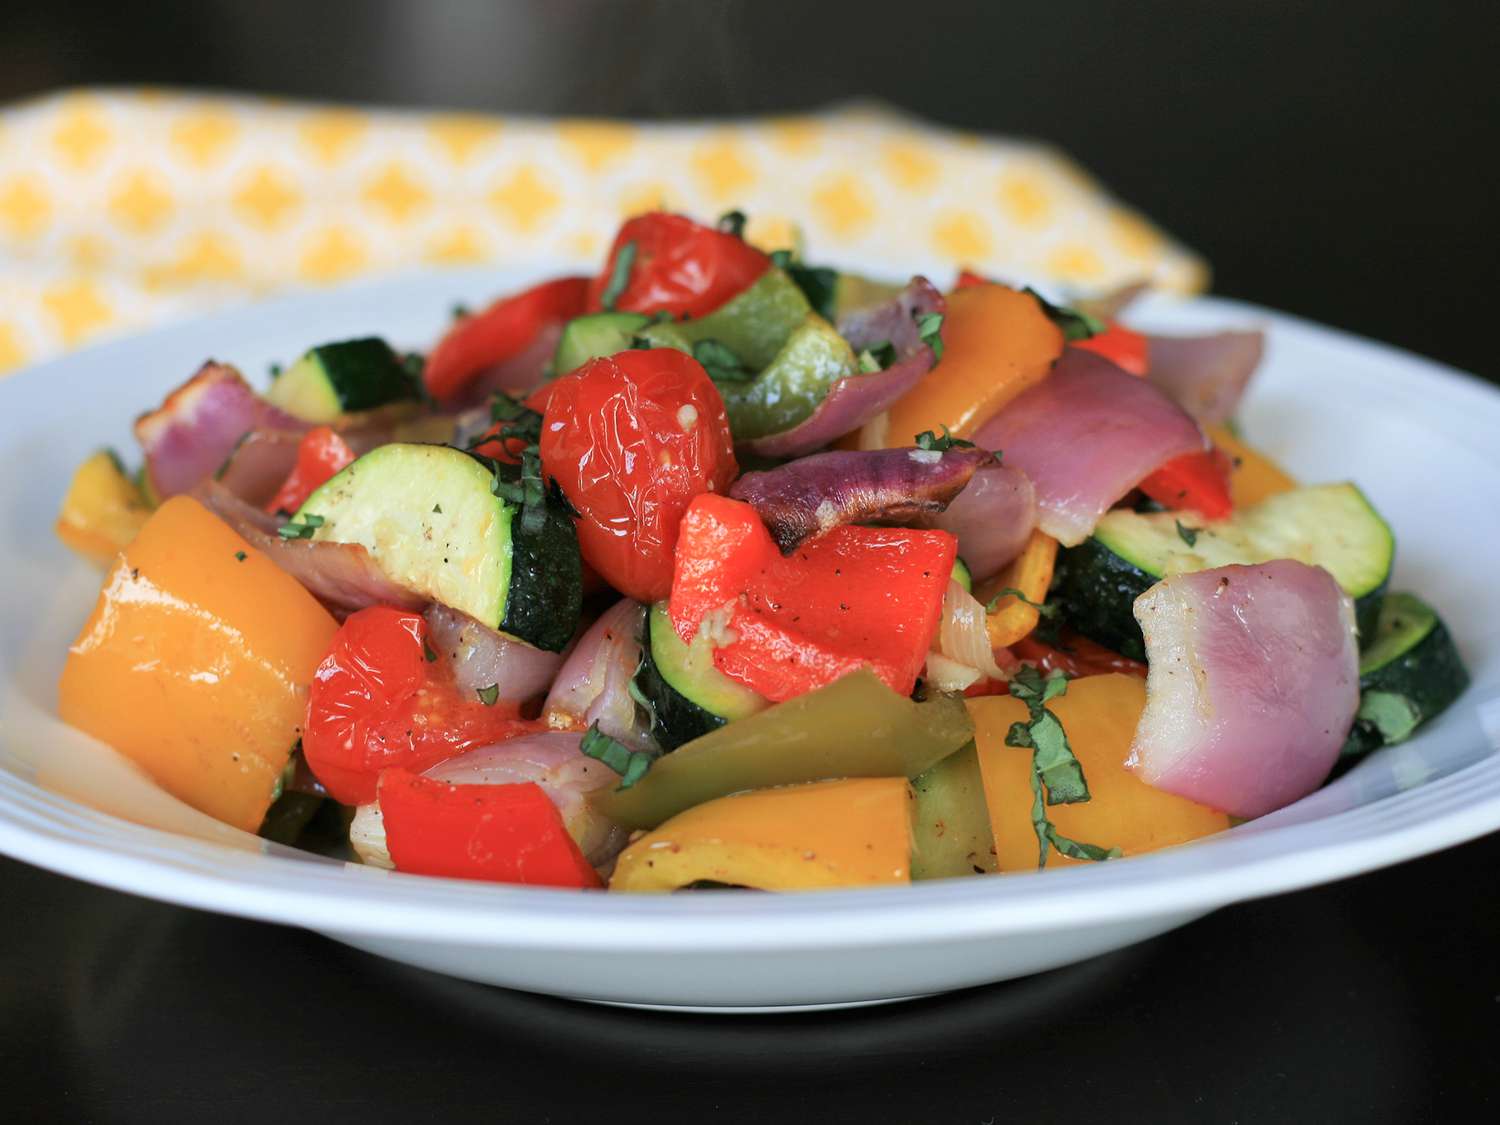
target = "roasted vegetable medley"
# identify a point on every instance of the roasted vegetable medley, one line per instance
(717, 568)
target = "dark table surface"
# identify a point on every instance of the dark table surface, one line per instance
(1336, 162)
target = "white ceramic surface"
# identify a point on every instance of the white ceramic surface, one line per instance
(1421, 439)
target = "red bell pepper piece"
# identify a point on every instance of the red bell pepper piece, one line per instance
(1196, 481)
(678, 266)
(321, 454)
(501, 833)
(1076, 655)
(855, 596)
(1125, 348)
(501, 332)
(377, 702)
(721, 546)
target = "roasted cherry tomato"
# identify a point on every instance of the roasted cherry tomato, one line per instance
(1076, 655)
(678, 266)
(631, 439)
(320, 455)
(378, 702)
(502, 833)
(1126, 349)
(502, 332)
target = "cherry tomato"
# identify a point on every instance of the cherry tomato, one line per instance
(968, 278)
(501, 332)
(680, 267)
(631, 439)
(1076, 655)
(1126, 349)
(320, 455)
(377, 702)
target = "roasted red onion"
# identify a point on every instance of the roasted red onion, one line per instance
(550, 759)
(519, 375)
(963, 635)
(593, 685)
(855, 399)
(340, 575)
(481, 657)
(1205, 375)
(198, 426)
(992, 518)
(1086, 435)
(812, 495)
(1253, 684)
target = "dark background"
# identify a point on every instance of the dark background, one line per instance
(1336, 161)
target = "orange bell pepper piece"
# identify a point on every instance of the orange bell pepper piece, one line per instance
(196, 662)
(1029, 572)
(997, 342)
(1099, 714)
(1253, 476)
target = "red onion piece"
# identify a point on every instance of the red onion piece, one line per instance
(992, 518)
(1206, 375)
(1253, 684)
(811, 496)
(593, 685)
(340, 575)
(1086, 435)
(855, 399)
(963, 634)
(191, 434)
(480, 657)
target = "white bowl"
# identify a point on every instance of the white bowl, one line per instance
(1419, 438)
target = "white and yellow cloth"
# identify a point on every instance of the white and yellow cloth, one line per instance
(120, 209)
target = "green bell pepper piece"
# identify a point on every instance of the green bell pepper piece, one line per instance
(753, 325)
(854, 727)
(950, 821)
(790, 388)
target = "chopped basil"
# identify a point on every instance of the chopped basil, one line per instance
(1188, 535)
(927, 439)
(427, 653)
(1056, 775)
(437, 509)
(720, 362)
(819, 285)
(630, 764)
(275, 370)
(240, 556)
(877, 357)
(781, 259)
(460, 310)
(533, 491)
(619, 277)
(930, 332)
(488, 695)
(300, 529)
(732, 222)
(235, 448)
(1046, 609)
(1075, 325)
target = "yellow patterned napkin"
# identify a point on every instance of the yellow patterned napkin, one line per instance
(120, 209)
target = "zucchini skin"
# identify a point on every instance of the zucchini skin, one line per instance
(675, 719)
(544, 601)
(1430, 674)
(1096, 589)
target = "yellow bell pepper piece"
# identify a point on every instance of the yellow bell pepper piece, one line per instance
(852, 833)
(997, 342)
(1031, 573)
(1254, 477)
(1099, 714)
(103, 510)
(196, 662)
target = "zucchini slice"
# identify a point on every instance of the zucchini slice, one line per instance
(685, 694)
(341, 378)
(432, 521)
(597, 334)
(1410, 672)
(1330, 525)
